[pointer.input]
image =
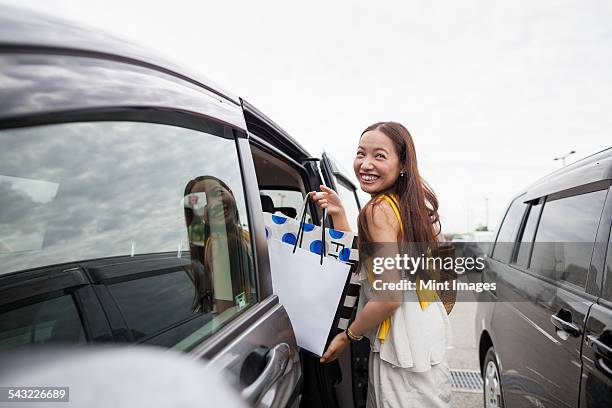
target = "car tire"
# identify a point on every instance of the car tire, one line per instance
(491, 376)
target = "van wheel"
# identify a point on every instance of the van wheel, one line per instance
(492, 381)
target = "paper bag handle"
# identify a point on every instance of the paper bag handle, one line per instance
(300, 234)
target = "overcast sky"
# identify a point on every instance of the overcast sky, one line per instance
(491, 91)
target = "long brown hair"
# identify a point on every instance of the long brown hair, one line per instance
(418, 205)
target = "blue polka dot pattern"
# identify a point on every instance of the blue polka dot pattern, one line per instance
(344, 255)
(316, 246)
(289, 238)
(308, 227)
(336, 234)
(278, 220)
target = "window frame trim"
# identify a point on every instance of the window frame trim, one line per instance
(492, 251)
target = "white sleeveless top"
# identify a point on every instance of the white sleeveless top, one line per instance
(418, 338)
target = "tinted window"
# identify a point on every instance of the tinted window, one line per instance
(524, 249)
(155, 303)
(508, 230)
(349, 201)
(565, 237)
(50, 321)
(83, 191)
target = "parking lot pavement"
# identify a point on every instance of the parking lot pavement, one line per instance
(464, 355)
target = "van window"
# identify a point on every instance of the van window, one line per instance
(347, 195)
(281, 188)
(508, 230)
(524, 248)
(565, 237)
(131, 191)
(54, 320)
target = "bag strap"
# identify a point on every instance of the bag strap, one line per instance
(300, 233)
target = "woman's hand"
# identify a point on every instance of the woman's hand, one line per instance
(328, 198)
(336, 347)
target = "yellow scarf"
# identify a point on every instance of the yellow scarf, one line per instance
(425, 296)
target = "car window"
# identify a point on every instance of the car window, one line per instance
(126, 192)
(508, 230)
(285, 201)
(607, 290)
(566, 234)
(524, 248)
(54, 320)
(348, 198)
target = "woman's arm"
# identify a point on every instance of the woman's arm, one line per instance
(329, 199)
(383, 228)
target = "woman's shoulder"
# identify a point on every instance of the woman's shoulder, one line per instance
(379, 213)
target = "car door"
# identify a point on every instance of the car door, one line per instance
(596, 379)
(148, 188)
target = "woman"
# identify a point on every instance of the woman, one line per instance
(408, 334)
(219, 245)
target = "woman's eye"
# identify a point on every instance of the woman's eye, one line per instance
(359, 154)
(380, 155)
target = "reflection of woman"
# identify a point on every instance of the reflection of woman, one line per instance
(218, 242)
(407, 365)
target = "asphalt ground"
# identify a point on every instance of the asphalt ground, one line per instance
(464, 355)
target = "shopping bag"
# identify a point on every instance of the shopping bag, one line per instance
(310, 291)
(310, 285)
(341, 245)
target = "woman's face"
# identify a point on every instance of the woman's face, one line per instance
(219, 201)
(377, 165)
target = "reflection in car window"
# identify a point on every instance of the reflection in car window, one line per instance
(565, 237)
(54, 320)
(350, 204)
(121, 189)
(508, 230)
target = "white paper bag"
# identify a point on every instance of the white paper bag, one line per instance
(309, 291)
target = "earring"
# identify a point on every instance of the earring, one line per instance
(402, 173)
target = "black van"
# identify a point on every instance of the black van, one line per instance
(131, 212)
(546, 331)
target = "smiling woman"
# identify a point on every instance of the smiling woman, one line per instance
(409, 332)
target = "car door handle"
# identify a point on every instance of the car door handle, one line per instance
(599, 346)
(568, 327)
(277, 360)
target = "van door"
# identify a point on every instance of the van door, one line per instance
(596, 379)
(157, 208)
(285, 173)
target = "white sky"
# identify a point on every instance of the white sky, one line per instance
(491, 91)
